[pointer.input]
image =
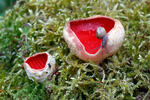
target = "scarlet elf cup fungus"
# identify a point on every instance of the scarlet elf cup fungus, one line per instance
(83, 38)
(40, 66)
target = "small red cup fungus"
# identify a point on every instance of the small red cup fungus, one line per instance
(81, 38)
(40, 66)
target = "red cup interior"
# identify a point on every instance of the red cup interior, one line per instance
(37, 61)
(85, 30)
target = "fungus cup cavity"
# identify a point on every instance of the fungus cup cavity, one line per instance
(80, 36)
(40, 66)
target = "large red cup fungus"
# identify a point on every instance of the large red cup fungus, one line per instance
(40, 66)
(80, 36)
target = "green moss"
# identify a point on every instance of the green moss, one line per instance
(125, 75)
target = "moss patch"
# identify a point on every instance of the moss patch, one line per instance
(36, 25)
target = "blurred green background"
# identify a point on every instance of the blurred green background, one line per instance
(5, 4)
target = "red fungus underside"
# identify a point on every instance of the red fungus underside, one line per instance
(85, 30)
(38, 61)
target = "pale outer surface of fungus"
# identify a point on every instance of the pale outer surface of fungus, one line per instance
(41, 74)
(115, 39)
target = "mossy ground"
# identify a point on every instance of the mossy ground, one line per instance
(36, 25)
